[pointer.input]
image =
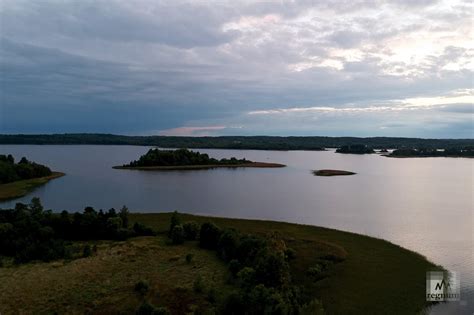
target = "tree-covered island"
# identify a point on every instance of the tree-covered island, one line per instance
(17, 179)
(184, 159)
(355, 149)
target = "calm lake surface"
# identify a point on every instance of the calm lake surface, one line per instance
(423, 204)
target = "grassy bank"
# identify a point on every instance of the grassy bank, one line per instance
(198, 167)
(376, 277)
(22, 187)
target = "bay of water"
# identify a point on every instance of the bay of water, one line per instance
(423, 204)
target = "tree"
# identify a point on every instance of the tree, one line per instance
(175, 220)
(191, 230)
(177, 234)
(209, 235)
(228, 244)
(123, 214)
(272, 269)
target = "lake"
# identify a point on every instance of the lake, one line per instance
(423, 204)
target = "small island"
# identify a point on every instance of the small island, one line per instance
(332, 173)
(355, 149)
(18, 179)
(184, 159)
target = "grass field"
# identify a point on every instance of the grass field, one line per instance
(376, 277)
(22, 187)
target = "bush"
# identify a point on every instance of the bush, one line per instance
(189, 258)
(198, 285)
(161, 311)
(146, 308)
(142, 287)
(272, 270)
(87, 251)
(314, 307)
(228, 244)
(246, 277)
(209, 235)
(212, 295)
(315, 272)
(177, 234)
(175, 220)
(234, 267)
(290, 254)
(234, 304)
(191, 230)
(141, 229)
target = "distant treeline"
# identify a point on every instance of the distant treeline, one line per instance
(238, 142)
(423, 152)
(28, 232)
(24, 169)
(180, 157)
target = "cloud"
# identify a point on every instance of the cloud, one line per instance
(191, 131)
(137, 67)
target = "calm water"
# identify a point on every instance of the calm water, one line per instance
(425, 205)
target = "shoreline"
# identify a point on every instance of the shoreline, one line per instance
(199, 167)
(21, 188)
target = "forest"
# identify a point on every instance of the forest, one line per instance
(236, 142)
(24, 169)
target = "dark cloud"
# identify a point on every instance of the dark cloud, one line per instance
(120, 66)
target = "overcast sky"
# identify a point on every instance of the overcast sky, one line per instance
(357, 68)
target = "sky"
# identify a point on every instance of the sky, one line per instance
(332, 68)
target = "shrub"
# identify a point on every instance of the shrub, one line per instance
(234, 267)
(161, 311)
(246, 277)
(177, 234)
(87, 251)
(272, 270)
(234, 304)
(175, 220)
(123, 214)
(314, 307)
(212, 295)
(142, 287)
(209, 235)
(290, 254)
(189, 258)
(228, 244)
(146, 308)
(315, 271)
(141, 229)
(191, 230)
(198, 285)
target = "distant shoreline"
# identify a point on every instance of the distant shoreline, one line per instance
(199, 167)
(277, 143)
(426, 156)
